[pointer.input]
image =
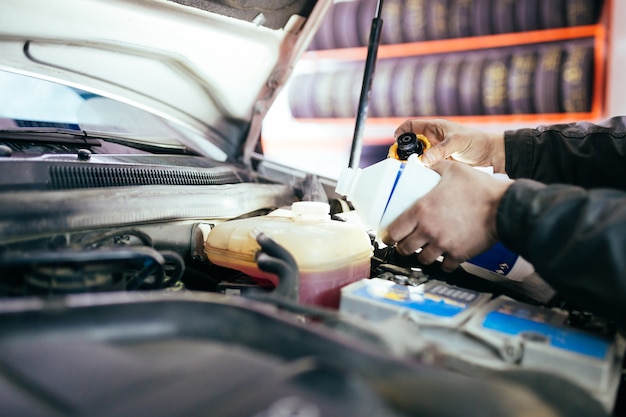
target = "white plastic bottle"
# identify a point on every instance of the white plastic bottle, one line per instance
(382, 191)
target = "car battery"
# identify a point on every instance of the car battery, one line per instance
(538, 338)
(433, 302)
(473, 332)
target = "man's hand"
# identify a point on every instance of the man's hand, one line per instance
(462, 143)
(456, 219)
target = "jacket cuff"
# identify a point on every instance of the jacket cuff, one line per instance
(515, 213)
(519, 152)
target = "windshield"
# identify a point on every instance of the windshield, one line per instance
(33, 103)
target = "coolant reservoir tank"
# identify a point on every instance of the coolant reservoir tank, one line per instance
(329, 253)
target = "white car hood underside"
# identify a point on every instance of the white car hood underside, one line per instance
(214, 74)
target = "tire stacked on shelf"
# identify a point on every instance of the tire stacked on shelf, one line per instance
(402, 91)
(521, 82)
(347, 88)
(425, 86)
(325, 37)
(413, 21)
(459, 23)
(552, 14)
(331, 93)
(437, 19)
(349, 22)
(380, 104)
(363, 20)
(324, 98)
(343, 27)
(577, 78)
(582, 12)
(447, 86)
(471, 85)
(495, 92)
(547, 91)
(528, 15)
(300, 96)
(503, 16)
(392, 18)
(543, 78)
(480, 18)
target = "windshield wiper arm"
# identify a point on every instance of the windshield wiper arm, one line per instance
(71, 136)
(49, 135)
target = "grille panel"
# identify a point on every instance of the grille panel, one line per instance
(69, 177)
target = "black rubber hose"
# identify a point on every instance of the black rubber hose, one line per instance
(151, 268)
(102, 237)
(275, 259)
(147, 261)
(176, 265)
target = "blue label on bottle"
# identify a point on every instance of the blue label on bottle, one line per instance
(393, 188)
(497, 259)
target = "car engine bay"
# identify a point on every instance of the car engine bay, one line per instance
(109, 292)
(154, 262)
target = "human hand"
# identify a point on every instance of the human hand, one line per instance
(456, 219)
(462, 143)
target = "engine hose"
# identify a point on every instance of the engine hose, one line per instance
(151, 268)
(101, 238)
(146, 261)
(275, 259)
(177, 264)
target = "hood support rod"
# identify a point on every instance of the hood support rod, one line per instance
(366, 87)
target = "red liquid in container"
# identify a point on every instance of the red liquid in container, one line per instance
(329, 254)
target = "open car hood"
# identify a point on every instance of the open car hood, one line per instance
(214, 66)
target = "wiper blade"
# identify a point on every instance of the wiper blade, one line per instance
(54, 135)
(146, 144)
(72, 136)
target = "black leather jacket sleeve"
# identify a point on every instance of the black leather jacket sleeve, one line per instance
(584, 154)
(568, 218)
